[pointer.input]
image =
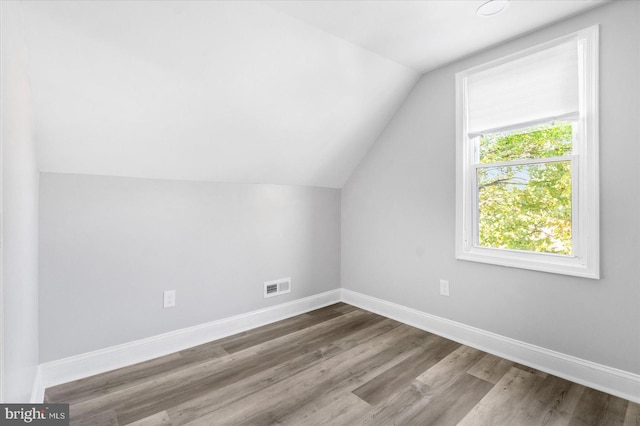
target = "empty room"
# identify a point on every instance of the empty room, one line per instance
(315, 212)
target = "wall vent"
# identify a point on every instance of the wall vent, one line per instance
(277, 287)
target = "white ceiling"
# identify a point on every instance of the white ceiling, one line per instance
(277, 92)
(424, 35)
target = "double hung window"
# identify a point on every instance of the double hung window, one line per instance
(527, 159)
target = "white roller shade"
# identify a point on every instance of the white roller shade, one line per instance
(526, 91)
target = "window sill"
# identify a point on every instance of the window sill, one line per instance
(542, 262)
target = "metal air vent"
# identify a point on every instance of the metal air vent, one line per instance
(277, 287)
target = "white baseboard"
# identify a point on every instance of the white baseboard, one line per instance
(606, 379)
(96, 362)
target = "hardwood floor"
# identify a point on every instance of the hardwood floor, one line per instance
(338, 365)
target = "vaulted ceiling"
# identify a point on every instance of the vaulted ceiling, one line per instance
(280, 92)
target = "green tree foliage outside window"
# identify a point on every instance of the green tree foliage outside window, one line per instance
(526, 206)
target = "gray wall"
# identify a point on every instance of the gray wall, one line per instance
(19, 218)
(398, 215)
(110, 246)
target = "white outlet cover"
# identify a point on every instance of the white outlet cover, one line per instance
(169, 298)
(444, 287)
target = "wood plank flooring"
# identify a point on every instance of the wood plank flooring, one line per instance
(338, 365)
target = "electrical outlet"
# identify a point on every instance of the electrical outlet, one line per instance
(444, 287)
(169, 298)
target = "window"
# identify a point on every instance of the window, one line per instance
(527, 159)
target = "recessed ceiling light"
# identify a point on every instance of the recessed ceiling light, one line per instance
(492, 7)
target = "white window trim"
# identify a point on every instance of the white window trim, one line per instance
(586, 259)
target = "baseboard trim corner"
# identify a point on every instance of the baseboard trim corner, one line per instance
(88, 364)
(597, 376)
(37, 393)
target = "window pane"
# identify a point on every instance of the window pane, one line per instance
(526, 207)
(550, 140)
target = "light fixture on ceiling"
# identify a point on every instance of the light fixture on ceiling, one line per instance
(492, 7)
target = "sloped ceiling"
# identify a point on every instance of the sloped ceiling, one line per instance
(426, 34)
(289, 92)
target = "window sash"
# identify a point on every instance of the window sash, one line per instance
(524, 162)
(575, 204)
